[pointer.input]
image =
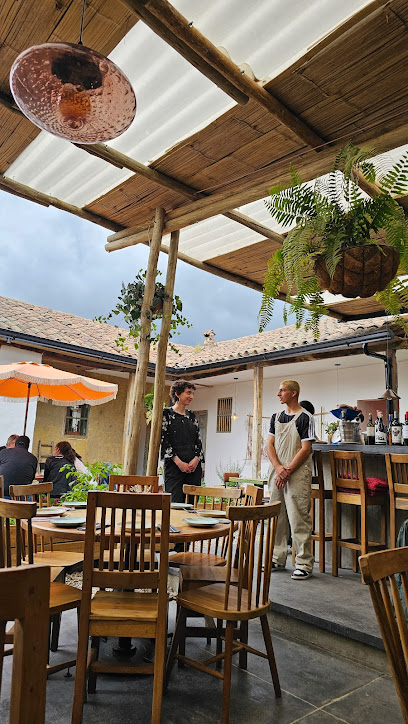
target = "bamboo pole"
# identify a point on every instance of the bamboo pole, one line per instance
(160, 372)
(257, 422)
(173, 27)
(137, 391)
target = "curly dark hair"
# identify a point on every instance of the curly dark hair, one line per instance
(178, 387)
(66, 450)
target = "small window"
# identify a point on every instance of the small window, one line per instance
(224, 412)
(76, 421)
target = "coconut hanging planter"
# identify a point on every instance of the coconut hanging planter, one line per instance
(361, 272)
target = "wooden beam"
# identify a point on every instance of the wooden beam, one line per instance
(26, 192)
(160, 371)
(174, 28)
(190, 54)
(135, 407)
(257, 422)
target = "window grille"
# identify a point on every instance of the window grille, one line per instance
(76, 421)
(224, 412)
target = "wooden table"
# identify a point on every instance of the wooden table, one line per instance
(187, 533)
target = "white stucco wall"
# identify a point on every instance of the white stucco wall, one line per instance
(12, 413)
(359, 377)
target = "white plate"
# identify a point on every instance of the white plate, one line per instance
(181, 506)
(200, 522)
(212, 513)
(69, 522)
(77, 504)
(53, 510)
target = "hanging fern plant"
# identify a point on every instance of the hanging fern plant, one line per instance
(130, 303)
(343, 241)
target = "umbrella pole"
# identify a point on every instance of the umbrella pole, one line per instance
(26, 412)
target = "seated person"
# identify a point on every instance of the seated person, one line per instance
(17, 465)
(64, 454)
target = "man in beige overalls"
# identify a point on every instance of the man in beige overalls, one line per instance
(289, 449)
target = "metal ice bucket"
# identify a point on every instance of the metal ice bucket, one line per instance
(349, 431)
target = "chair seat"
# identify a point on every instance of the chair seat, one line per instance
(63, 597)
(209, 601)
(62, 559)
(193, 558)
(124, 606)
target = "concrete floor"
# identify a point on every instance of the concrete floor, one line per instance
(317, 688)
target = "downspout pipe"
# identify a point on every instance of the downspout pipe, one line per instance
(387, 370)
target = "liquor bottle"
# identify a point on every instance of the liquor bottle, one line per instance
(380, 430)
(405, 430)
(396, 430)
(389, 434)
(370, 430)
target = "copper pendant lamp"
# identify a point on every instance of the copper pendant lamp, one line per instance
(72, 91)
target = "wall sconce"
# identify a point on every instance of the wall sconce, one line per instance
(234, 415)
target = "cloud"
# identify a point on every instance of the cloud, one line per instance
(53, 259)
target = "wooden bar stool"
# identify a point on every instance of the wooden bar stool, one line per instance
(397, 473)
(319, 494)
(350, 486)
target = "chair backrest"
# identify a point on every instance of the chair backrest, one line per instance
(256, 525)
(397, 473)
(379, 571)
(317, 469)
(227, 476)
(1, 486)
(129, 533)
(213, 498)
(347, 469)
(252, 495)
(24, 598)
(134, 483)
(35, 491)
(9, 510)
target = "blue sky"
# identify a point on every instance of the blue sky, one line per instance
(53, 259)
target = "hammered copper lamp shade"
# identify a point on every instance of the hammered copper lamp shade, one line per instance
(73, 92)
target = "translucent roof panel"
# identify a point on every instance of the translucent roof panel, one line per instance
(174, 100)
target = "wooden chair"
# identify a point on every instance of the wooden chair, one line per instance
(379, 572)
(200, 575)
(67, 560)
(134, 483)
(227, 476)
(62, 597)
(397, 473)
(349, 486)
(124, 612)
(1, 486)
(320, 494)
(204, 553)
(24, 599)
(239, 603)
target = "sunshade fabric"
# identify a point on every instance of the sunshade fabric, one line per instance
(48, 383)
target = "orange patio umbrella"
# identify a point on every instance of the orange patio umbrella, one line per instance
(23, 380)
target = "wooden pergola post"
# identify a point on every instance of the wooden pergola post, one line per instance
(257, 422)
(136, 392)
(160, 373)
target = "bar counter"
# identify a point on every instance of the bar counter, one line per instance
(367, 449)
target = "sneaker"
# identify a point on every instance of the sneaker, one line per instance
(299, 575)
(277, 567)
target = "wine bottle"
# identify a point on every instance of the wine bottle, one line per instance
(380, 430)
(396, 430)
(405, 430)
(389, 434)
(371, 431)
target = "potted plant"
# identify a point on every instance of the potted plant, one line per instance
(95, 478)
(130, 303)
(330, 429)
(343, 241)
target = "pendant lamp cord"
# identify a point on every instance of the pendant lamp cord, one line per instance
(82, 22)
